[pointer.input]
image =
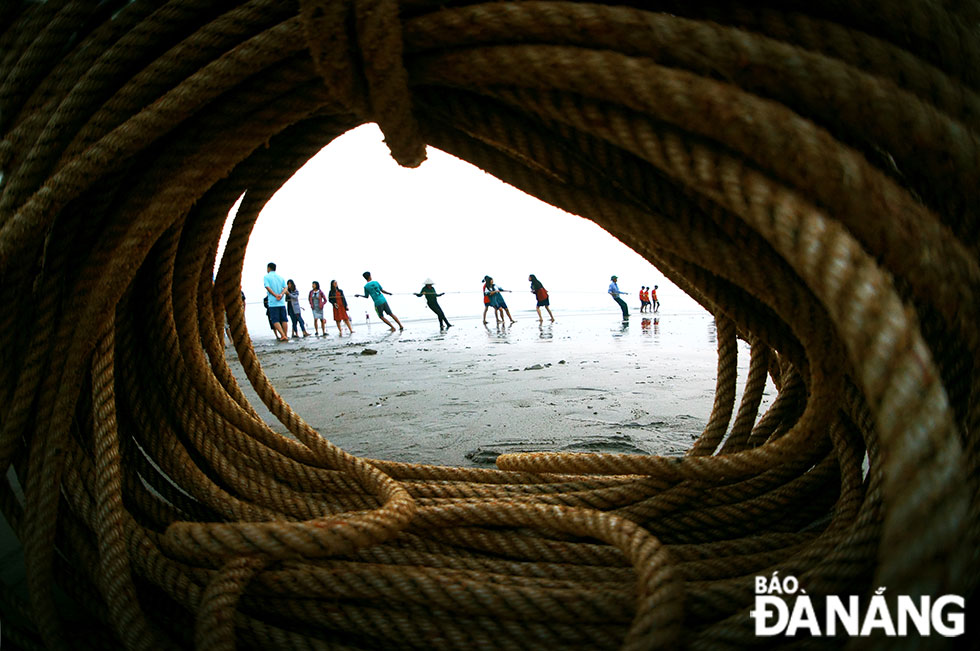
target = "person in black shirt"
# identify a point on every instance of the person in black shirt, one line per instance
(541, 294)
(429, 292)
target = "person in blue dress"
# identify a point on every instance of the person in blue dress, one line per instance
(497, 299)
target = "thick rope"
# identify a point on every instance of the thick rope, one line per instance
(810, 173)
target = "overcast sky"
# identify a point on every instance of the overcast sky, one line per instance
(351, 209)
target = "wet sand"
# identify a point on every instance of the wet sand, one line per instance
(586, 383)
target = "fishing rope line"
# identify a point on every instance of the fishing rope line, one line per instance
(810, 173)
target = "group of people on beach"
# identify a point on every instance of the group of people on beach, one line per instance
(648, 298)
(282, 300)
(493, 298)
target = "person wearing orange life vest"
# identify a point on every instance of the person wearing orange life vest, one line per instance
(541, 294)
(653, 299)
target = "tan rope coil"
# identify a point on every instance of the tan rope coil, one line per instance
(810, 173)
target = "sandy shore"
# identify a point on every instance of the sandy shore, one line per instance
(466, 395)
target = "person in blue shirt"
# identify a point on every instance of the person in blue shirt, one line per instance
(615, 293)
(374, 291)
(275, 287)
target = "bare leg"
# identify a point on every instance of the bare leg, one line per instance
(486, 306)
(540, 318)
(512, 320)
(281, 330)
(400, 326)
(349, 329)
(547, 307)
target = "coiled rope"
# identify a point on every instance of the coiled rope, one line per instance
(809, 170)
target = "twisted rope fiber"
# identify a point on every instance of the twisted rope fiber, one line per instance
(806, 171)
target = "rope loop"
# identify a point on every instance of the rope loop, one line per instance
(356, 47)
(806, 172)
(214, 627)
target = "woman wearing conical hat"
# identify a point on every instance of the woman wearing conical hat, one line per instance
(429, 292)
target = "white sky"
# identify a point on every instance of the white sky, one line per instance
(351, 209)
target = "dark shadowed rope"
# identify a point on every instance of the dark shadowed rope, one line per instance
(807, 171)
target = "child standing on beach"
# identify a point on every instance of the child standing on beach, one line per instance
(317, 301)
(653, 299)
(541, 294)
(339, 303)
(374, 291)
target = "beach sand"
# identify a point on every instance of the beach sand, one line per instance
(463, 396)
(585, 383)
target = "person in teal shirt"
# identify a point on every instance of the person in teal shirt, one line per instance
(374, 291)
(275, 287)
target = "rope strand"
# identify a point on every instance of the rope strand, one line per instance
(810, 173)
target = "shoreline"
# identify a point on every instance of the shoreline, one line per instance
(463, 396)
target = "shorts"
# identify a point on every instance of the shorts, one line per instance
(277, 313)
(383, 308)
(545, 303)
(317, 312)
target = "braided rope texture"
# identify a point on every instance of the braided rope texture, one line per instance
(809, 170)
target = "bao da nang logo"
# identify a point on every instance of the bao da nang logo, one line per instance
(782, 608)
